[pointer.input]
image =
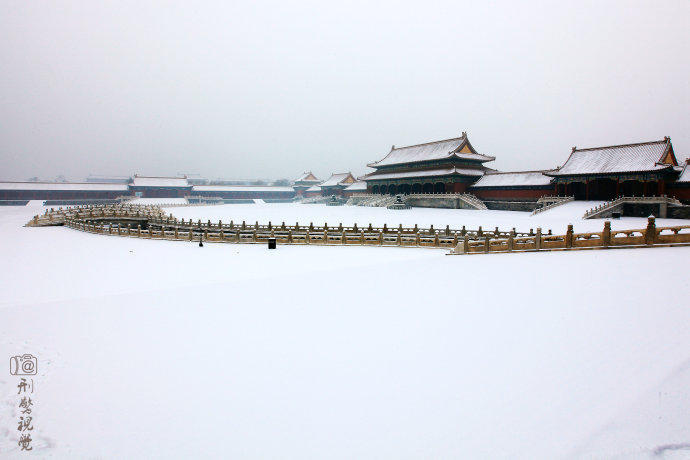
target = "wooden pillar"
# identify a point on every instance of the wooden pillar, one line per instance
(644, 188)
(618, 187)
(662, 187)
(586, 189)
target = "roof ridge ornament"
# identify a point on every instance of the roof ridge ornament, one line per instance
(574, 148)
(464, 134)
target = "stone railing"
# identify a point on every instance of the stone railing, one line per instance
(473, 200)
(58, 216)
(552, 203)
(610, 205)
(650, 236)
(151, 222)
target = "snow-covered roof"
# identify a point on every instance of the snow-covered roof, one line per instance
(152, 181)
(307, 177)
(240, 188)
(458, 147)
(357, 186)
(646, 156)
(513, 179)
(90, 186)
(424, 173)
(685, 174)
(337, 179)
(313, 188)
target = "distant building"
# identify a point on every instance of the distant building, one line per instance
(25, 191)
(160, 186)
(336, 184)
(108, 179)
(306, 180)
(359, 187)
(244, 192)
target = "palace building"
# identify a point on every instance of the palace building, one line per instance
(336, 184)
(158, 187)
(603, 173)
(447, 166)
(305, 181)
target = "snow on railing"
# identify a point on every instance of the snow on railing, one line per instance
(647, 237)
(111, 220)
(154, 219)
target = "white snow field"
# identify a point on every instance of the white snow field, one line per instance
(161, 349)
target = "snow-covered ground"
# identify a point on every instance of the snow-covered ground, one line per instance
(158, 349)
(556, 219)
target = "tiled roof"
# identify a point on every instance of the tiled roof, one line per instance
(641, 157)
(357, 186)
(336, 179)
(90, 186)
(313, 188)
(240, 188)
(146, 181)
(513, 179)
(306, 177)
(439, 150)
(423, 173)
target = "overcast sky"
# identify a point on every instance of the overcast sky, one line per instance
(271, 89)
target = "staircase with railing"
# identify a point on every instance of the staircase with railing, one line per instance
(550, 202)
(608, 208)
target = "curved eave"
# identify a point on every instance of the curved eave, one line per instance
(485, 159)
(612, 173)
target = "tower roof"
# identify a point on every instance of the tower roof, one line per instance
(458, 147)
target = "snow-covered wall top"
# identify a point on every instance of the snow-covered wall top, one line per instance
(91, 186)
(142, 181)
(240, 188)
(513, 179)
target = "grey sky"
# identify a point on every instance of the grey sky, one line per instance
(259, 89)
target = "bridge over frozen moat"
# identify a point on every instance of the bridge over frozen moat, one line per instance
(152, 223)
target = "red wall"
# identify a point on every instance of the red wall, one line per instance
(681, 193)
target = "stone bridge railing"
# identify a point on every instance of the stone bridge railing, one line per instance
(607, 238)
(151, 222)
(58, 216)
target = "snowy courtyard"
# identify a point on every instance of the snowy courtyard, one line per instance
(163, 349)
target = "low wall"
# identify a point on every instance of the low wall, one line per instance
(437, 202)
(527, 206)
